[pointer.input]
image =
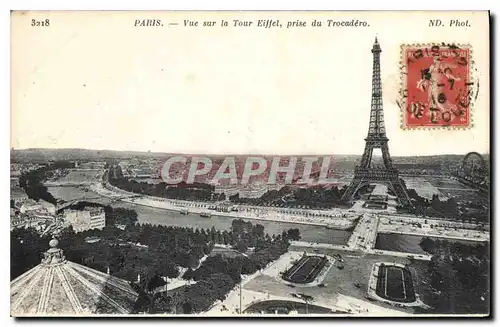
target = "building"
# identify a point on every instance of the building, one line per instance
(48, 207)
(228, 190)
(29, 221)
(88, 218)
(92, 165)
(14, 182)
(58, 287)
(30, 205)
(253, 190)
(16, 170)
(18, 195)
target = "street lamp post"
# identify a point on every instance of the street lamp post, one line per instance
(166, 277)
(241, 301)
(306, 299)
(241, 292)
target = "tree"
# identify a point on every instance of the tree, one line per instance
(241, 247)
(459, 277)
(155, 282)
(218, 237)
(221, 284)
(225, 237)
(123, 216)
(258, 231)
(32, 183)
(162, 303)
(293, 234)
(26, 248)
(435, 203)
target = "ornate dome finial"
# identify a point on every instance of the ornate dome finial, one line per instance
(53, 243)
(54, 255)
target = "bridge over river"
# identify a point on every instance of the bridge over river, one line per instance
(66, 184)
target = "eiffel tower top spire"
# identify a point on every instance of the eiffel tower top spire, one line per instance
(376, 131)
(376, 46)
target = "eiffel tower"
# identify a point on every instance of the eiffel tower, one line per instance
(364, 172)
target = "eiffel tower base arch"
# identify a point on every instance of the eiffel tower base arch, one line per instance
(395, 185)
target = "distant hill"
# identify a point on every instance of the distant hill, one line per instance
(45, 155)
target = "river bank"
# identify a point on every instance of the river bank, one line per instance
(336, 219)
(158, 216)
(221, 214)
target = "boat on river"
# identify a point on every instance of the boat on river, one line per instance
(205, 214)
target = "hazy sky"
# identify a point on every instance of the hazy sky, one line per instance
(93, 80)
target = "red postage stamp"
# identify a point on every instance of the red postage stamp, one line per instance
(437, 87)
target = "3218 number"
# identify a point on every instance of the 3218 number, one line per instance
(40, 23)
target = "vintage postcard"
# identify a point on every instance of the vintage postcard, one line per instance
(239, 163)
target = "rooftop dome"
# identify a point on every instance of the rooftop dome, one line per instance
(53, 243)
(63, 288)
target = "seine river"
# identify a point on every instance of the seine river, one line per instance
(148, 215)
(400, 243)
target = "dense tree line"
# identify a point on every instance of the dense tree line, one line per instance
(189, 299)
(188, 192)
(442, 209)
(26, 249)
(268, 252)
(163, 249)
(459, 277)
(181, 191)
(32, 181)
(435, 207)
(219, 274)
(123, 259)
(243, 235)
(316, 196)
